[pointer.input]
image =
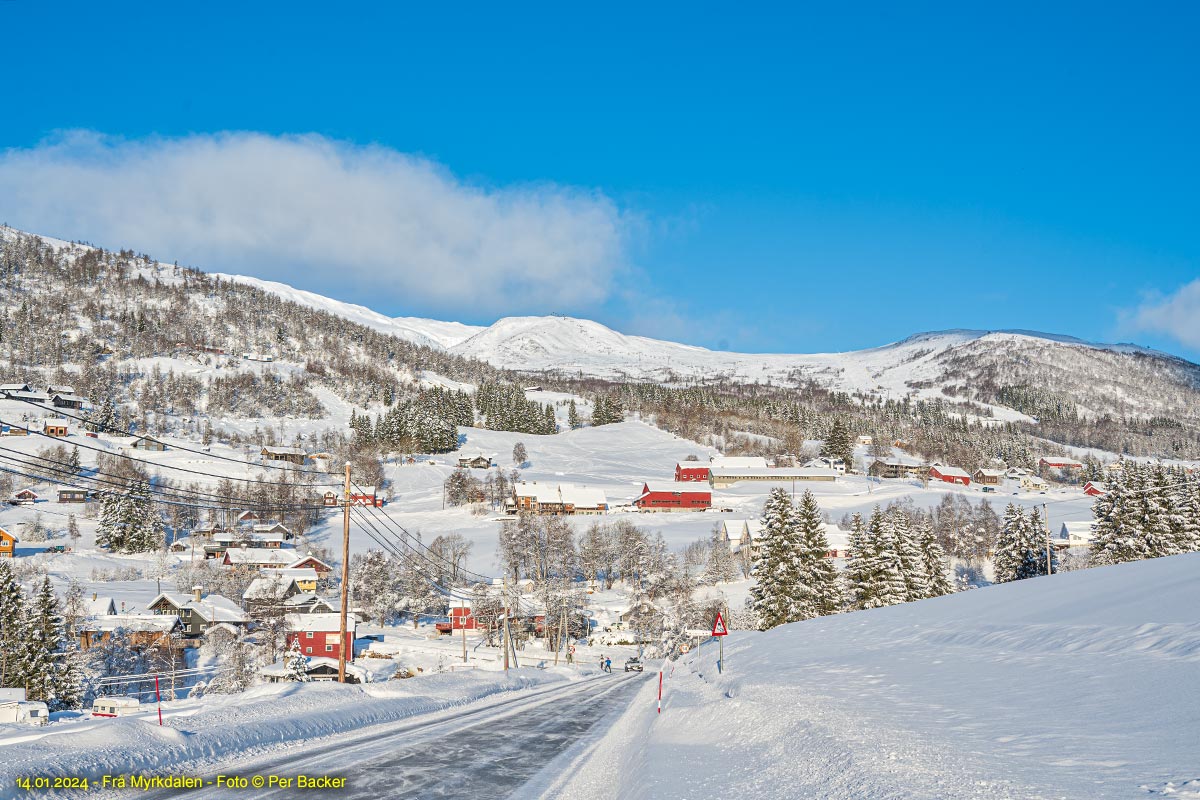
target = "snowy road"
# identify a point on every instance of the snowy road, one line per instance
(490, 750)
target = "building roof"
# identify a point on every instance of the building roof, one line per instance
(1061, 461)
(565, 493)
(990, 473)
(838, 539)
(777, 473)
(279, 668)
(1083, 529)
(55, 421)
(133, 623)
(898, 461)
(671, 487)
(261, 556)
(211, 608)
(951, 472)
(271, 586)
(284, 451)
(99, 607)
(60, 389)
(738, 462)
(362, 491)
(330, 623)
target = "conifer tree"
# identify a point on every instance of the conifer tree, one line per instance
(933, 560)
(295, 663)
(819, 591)
(908, 550)
(774, 595)
(839, 443)
(12, 628)
(573, 420)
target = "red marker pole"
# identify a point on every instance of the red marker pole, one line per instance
(660, 691)
(158, 699)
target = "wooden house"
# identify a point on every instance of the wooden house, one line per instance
(691, 471)
(25, 497)
(988, 477)
(146, 443)
(66, 400)
(947, 474)
(896, 468)
(669, 496)
(67, 495)
(289, 455)
(144, 631)
(56, 426)
(479, 461)
(318, 635)
(198, 612)
(311, 562)
(8, 544)
(1095, 489)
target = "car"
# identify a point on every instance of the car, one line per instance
(633, 664)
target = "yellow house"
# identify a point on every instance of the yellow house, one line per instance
(8, 544)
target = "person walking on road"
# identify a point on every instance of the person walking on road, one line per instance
(608, 665)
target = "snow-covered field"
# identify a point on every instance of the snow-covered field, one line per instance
(1079, 686)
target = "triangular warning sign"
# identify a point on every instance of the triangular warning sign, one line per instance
(719, 628)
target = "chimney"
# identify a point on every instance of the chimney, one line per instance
(196, 593)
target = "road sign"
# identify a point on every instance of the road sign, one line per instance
(719, 628)
(571, 649)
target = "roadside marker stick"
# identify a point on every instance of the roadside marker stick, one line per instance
(660, 691)
(158, 699)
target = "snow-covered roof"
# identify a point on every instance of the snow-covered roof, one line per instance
(838, 539)
(284, 451)
(279, 668)
(329, 623)
(1081, 529)
(990, 473)
(100, 606)
(565, 493)
(362, 491)
(134, 623)
(951, 472)
(688, 487)
(272, 584)
(228, 537)
(211, 608)
(1060, 461)
(60, 389)
(777, 473)
(899, 461)
(14, 387)
(55, 421)
(260, 556)
(738, 462)
(306, 599)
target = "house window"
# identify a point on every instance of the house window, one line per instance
(308, 650)
(308, 634)
(328, 648)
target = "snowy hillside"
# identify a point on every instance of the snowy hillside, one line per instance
(970, 365)
(1076, 686)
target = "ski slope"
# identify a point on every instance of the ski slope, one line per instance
(1081, 685)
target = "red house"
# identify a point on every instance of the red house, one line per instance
(320, 566)
(460, 619)
(950, 475)
(365, 496)
(1094, 489)
(691, 471)
(683, 496)
(1057, 462)
(318, 634)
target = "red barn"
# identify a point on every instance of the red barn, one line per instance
(1094, 488)
(460, 619)
(318, 634)
(691, 471)
(683, 496)
(950, 475)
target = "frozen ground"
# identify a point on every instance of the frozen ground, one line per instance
(1077, 686)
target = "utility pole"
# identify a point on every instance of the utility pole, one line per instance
(345, 578)
(505, 590)
(1049, 544)
(462, 620)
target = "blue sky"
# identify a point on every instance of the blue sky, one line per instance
(781, 179)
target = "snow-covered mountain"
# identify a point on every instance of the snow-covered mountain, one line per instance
(975, 365)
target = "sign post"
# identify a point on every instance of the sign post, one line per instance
(719, 630)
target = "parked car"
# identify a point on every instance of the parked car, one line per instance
(633, 665)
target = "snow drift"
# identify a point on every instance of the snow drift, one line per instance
(1076, 686)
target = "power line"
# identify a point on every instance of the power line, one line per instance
(121, 482)
(115, 429)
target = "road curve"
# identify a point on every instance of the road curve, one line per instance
(489, 751)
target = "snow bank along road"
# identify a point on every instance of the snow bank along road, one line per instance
(486, 750)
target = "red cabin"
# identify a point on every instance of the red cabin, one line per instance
(1094, 489)
(950, 475)
(683, 496)
(691, 471)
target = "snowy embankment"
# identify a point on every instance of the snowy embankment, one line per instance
(1081, 685)
(211, 731)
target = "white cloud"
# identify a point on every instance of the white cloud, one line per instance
(363, 223)
(1176, 315)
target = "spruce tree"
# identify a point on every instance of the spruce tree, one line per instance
(12, 628)
(854, 576)
(819, 592)
(934, 560)
(839, 443)
(908, 551)
(295, 663)
(573, 420)
(774, 593)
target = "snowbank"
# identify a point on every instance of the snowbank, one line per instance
(1076, 686)
(216, 728)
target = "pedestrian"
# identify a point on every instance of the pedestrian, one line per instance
(608, 665)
